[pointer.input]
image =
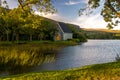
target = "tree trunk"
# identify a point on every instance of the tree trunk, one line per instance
(38, 37)
(13, 34)
(30, 37)
(7, 36)
(17, 37)
(0, 38)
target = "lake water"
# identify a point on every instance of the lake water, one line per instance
(91, 52)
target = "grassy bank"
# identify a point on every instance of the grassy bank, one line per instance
(58, 43)
(108, 71)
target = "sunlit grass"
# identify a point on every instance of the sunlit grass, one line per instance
(109, 71)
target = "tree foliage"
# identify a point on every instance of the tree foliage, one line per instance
(41, 5)
(17, 24)
(22, 20)
(110, 10)
(78, 36)
(34, 5)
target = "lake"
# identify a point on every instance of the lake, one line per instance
(91, 52)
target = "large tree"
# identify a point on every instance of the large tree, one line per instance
(3, 12)
(110, 10)
(13, 22)
(23, 15)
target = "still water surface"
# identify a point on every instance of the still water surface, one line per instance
(91, 52)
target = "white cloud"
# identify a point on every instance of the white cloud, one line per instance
(55, 17)
(93, 21)
(71, 2)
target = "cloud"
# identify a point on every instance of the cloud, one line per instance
(93, 21)
(55, 17)
(71, 2)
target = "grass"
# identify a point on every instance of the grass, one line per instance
(108, 71)
(58, 43)
(19, 57)
(16, 58)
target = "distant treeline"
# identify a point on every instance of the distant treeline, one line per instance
(99, 34)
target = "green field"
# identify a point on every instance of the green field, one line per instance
(108, 71)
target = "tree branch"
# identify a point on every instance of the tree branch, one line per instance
(20, 2)
(26, 3)
(112, 8)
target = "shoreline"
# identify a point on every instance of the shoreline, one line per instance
(104, 71)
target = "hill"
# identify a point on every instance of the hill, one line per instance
(101, 30)
(100, 33)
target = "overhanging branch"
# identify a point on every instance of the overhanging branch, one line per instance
(26, 3)
(112, 8)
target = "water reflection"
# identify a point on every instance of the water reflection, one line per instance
(91, 52)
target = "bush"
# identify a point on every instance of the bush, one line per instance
(80, 36)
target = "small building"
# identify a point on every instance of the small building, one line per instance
(64, 33)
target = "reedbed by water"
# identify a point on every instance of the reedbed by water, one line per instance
(16, 58)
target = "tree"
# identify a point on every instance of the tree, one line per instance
(24, 15)
(3, 12)
(14, 19)
(110, 11)
(39, 5)
(29, 25)
(49, 29)
(1, 27)
(46, 28)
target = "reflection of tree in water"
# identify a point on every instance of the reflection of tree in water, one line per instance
(117, 57)
(17, 59)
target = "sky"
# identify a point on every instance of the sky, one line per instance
(67, 11)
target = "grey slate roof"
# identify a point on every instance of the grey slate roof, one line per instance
(64, 27)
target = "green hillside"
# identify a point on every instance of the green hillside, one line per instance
(101, 33)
